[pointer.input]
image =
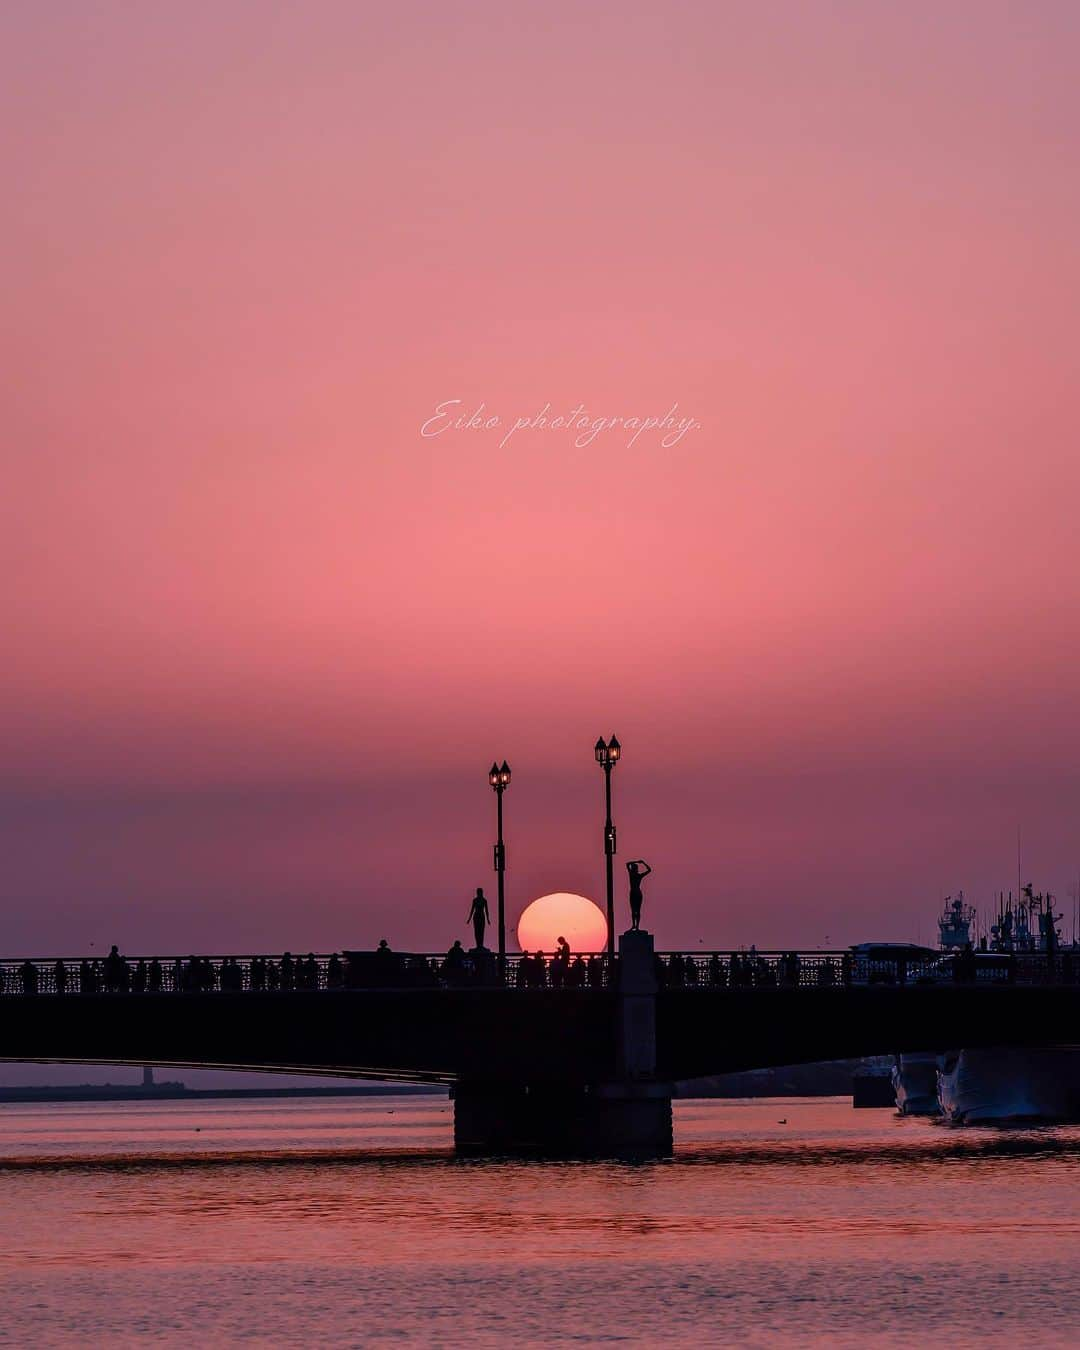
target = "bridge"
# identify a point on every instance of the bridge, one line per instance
(581, 1056)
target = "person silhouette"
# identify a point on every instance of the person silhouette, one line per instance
(478, 915)
(115, 969)
(637, 876)
(335, 972)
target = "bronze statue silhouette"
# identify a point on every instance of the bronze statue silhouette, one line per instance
(479, 916)
(637, 876)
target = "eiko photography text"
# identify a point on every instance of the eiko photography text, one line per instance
(583, 426)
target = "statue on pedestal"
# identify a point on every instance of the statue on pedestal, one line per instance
(637, 876)
(479, 916)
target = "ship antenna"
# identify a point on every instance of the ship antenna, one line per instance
(1076, 908)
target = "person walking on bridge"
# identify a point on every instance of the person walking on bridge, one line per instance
(288, 971)
(115, 971)
(479, 916)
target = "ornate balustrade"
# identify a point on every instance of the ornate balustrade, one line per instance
(397, 970)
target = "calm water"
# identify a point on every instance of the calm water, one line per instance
(350, 1222)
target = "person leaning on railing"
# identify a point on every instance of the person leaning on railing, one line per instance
(576, 973)
(116, 972)
(232, 977)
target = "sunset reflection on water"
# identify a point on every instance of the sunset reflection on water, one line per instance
(348, 1221)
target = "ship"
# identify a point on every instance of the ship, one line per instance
(914, 1081)
(1009, 1085)
(915, 1073)
(955, 923)
(1028, 926)
(1001, 1085)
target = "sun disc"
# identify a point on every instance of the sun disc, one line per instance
(562, 915)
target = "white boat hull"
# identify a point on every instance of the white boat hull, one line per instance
(1000, 1085)
(914, 1080)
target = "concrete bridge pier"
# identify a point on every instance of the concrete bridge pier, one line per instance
(580, 1120)
(626, 1114)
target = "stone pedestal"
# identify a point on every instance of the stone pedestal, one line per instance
(636, 1008)
(485, 965)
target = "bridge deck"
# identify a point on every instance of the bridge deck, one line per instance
(531, 1035)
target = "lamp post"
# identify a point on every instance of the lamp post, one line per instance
(607, 756)
(499, 778)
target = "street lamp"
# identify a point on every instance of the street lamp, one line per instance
(499, 778)
(607, 756)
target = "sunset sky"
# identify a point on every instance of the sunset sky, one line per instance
(262, 638)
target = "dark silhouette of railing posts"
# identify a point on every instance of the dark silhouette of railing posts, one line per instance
(760, 972)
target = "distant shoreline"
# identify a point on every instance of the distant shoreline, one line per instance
(802, 1080)
(108, 1092)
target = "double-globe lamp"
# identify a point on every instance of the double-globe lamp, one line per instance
(608, 754)
(499, 778)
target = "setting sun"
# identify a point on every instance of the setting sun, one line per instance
(562, 914)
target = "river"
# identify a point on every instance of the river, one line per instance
(350, 1222)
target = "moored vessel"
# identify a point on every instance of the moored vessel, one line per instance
(914, 1080)
(915, 1073)
(1000, 1084)
(1005, 1085)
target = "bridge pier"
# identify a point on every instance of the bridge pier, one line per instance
(580, 1119)
(625, 1114)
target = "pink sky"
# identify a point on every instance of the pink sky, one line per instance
(263, 639)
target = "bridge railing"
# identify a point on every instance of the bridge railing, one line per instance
(817, 969)
(741, 969)
(287, 974)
